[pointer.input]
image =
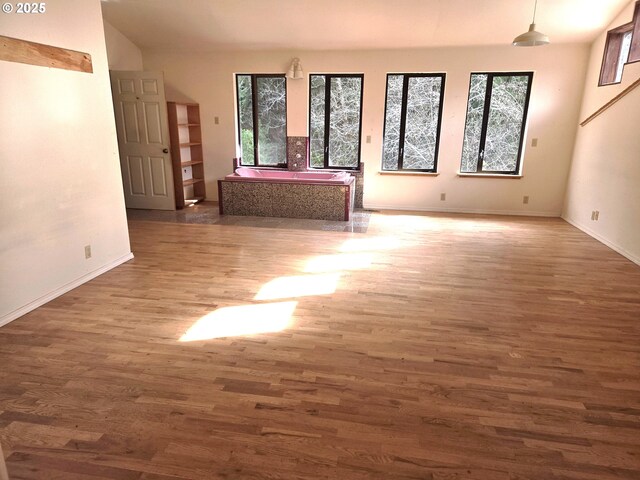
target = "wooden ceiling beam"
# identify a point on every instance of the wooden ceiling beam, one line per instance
(23, 51)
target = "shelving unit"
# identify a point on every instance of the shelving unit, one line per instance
(186, 153)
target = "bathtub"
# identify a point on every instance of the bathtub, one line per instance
(245, 174)
(289, 194)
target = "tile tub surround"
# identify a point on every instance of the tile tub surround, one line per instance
(288, 199)
(359, 190)
(298, 153)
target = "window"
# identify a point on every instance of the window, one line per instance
(335, 120)
(413, 114)
(622, 47)
(262, 119)
(496, 118)
(616, 54)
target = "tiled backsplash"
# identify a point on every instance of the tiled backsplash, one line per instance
(298, 160)
(297, 153)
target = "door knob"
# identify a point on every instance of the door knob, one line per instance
(165, 150)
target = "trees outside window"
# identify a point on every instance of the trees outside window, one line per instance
(413, 115)
(335, 120)
(262, 119)
(496, 120)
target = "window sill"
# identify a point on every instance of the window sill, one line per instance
(416, 174)
(488, 175)
(334, 169)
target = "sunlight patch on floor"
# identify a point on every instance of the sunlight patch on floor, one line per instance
(242, 320)
(299, 286)
(341, 261)
(369, 244)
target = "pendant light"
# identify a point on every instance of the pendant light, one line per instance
(532, 38)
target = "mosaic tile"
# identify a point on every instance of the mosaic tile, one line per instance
(242, 198)
(324, 202)
(284, 200)
(297, 153)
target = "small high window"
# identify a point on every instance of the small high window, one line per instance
(262, 119)
(496, 119)
(622, 47)
(413, 114)
(335, 120)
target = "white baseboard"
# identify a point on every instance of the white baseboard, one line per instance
(463, 210)
(634, 258)
(38, 302)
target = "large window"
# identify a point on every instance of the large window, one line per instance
(413, 114)
(335, 120)
(622, 47)
(496, 118)
(262, 119)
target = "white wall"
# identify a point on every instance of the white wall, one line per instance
(558, 84)
(122, 53)
(60, 184)
(605, 172)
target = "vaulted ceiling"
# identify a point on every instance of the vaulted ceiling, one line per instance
(209, 25)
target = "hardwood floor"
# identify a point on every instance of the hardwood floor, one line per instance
(452, 347)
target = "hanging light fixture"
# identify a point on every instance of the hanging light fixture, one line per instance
(295, 70)
(532, 38)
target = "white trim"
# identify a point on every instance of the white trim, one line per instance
(38, 302)
(408, 173)
(615, 247)
(464, 210)
(489, 175)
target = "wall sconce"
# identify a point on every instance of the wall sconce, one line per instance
(295, 70)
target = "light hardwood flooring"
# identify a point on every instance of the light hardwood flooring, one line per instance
(452, 347)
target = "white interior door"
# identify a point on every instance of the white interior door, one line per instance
(143, 138)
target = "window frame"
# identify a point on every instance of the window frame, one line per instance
(254, 114)
(634, 51)
(403, 121)
(612, 49)
(327, 118)
(485, 123)
(611, 57)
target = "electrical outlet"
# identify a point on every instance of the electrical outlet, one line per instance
(525, 199)
(368, 138)
(216, 120)
(87, 251)
(443, 197)
(534, 142)
(597, 215)
(593, 215)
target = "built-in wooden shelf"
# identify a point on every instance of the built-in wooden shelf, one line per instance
(186, 153)
(192, 181)
(192, 162)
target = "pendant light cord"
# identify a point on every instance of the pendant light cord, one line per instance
(535, 7)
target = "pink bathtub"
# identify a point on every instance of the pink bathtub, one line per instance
(284, 193)
(245, 174)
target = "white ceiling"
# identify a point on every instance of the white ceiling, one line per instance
(207, 25)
